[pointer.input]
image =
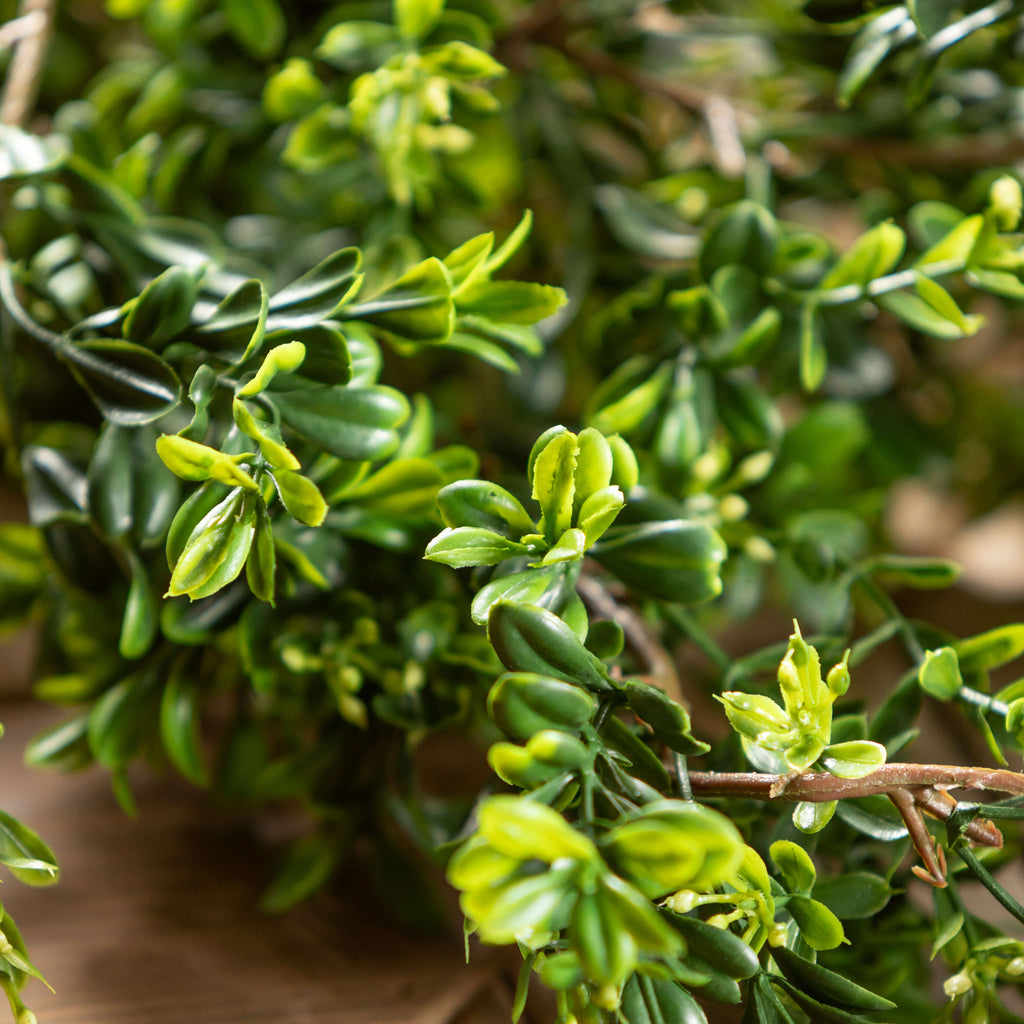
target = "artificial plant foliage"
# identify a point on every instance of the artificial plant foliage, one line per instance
(371, 370)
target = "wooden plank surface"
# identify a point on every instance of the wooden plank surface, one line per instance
(155, 920)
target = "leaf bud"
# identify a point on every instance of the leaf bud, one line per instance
(1006, 200)
(1015, 967)
(957, 985)
(839, 676)
(732, 508)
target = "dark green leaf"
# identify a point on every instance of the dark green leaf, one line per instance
(57, 491)
(179, 725)
(259, 25)
(139, 622)
(316, 294)
(530, 639)
(827, 986)
(417, 308)
(352, 422)
(129, 384)
(718, 946)
(674, 560)
(163, 310)
(853, 895)
(667, 719)
(656, 1001)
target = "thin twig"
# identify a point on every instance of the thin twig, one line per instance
(22, 83)
(912, 788)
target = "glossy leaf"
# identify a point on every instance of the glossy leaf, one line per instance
(25, 855)
(530, 639)
(469, 545)
(163, 310)
(129, 384)
(352, 422)
(483, 505)
(179, 726)
(674, 560)
(300, 496)
(820, 928)
(417, 308)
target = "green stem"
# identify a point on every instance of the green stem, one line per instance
(984, 876)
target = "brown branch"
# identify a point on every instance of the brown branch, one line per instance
(912, 788)
(22, 83)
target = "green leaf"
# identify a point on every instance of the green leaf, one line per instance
(300, 496)
(945, 305)
(163, 310)
(308, 864)
(139, 622)
(414, 19)
(470, 545)
(217, 548)
(56, 489)
(192, 461)
(129, 384)
(853, 895)
(503, 911)
(261, 566)
(525, 703)
(991, 649)
(886, 31)
(516, 302)
(468, 263)
(553, 475)
(721, 949)
(672, 844)
(816, 1011)
(110, 481)
(281, 359)
(763, 1006)
(25, 855)
(939, 674)
(795, 864)
(417, 308)
(179, 725)
(22, 571)
(811, 817)
(643, 763)
(265, 433)
(909, 571)
(549, 587)
(854, 759)
(524, 830)
(873, 255)
(483, 505)
(607, 951)
(530, 639)
(827, 986)
(648, 928)
(357, 423)
(115, 721)
(813, 354)
(656, 1000)
(328, 360)
(668, 720)
(674, 560)
(317, 294)
(404, 486)
(237, 327)
(23, 155)
(920, 315)
(745, 234)
(820, 928)
(259, 25)
(355, 43)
